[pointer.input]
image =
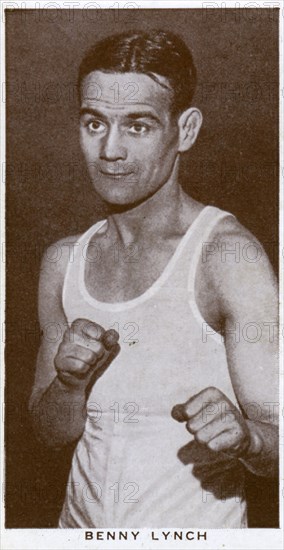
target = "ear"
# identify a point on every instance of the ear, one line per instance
(189, 124)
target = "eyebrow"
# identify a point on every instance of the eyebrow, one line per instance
(131, 116)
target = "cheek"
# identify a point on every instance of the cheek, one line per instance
(161, 156)
(88, 146)
(83, 144)
(156, 150)
(166, 143)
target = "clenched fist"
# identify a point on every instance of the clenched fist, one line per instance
(84, 349)
(215, 422)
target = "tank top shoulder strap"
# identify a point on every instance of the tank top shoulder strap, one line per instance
(86, 237)
(205, 223)
(200, 233)
(71, 285)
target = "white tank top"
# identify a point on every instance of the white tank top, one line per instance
(135, 466)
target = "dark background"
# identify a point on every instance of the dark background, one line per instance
(233, 166)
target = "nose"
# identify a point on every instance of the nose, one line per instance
(112, 148)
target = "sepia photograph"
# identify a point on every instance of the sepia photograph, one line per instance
(142, 369)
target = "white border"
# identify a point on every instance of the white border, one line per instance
(2, 254)
(221, 539)
(281, 264)
(235, 539)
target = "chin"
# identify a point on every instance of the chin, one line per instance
(122, 201)
(123, 205)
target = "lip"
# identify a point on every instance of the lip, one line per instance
(115, 174)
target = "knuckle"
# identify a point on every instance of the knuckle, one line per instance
(70, 363)
(89, 356)
(200, 437)
(190, 427)
(78, 327)
(78, 322)
(82, 368)
(110, 338)
(65, 363)
(74, 327)
(68, 335)
(214, 391)
(214, 445)
(99, 350)
(61, 355)
(91, 331)
(61, 365)
(188, 407)
(113, 332)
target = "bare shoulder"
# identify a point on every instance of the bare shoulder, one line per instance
(236, 248)
(58, 254)
(236, 267)
(234, 276)
(229, 228)
(52, 272)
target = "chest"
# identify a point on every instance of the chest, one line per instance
(118, 272)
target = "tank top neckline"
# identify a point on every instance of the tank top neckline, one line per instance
(158, 283)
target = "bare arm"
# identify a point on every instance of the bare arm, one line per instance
(249, 303)
(67, 361)
(242, 305)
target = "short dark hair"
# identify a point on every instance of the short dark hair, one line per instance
(154, 52)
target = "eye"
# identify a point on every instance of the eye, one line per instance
(139, 128)
(95, 126)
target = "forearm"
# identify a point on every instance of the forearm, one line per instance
(59, 415)
(261, 457)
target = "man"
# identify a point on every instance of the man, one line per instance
(155, 271)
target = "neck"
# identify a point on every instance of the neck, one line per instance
(155, 214)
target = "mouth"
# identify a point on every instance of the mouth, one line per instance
(115, 175)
